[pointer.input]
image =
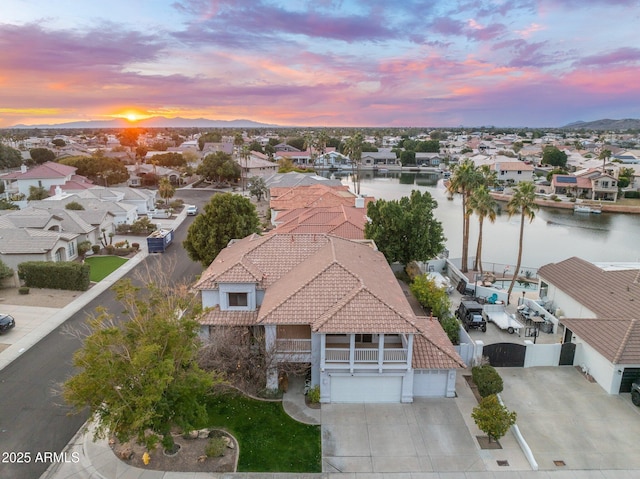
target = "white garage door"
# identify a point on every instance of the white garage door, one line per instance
(429, 383)
(373, 389)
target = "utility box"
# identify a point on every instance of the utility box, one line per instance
(158, 241)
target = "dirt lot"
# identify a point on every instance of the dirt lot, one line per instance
(48, 298)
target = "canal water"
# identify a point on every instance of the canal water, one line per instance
(554, 235)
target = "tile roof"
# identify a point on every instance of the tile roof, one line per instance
(47, 170)
(310, 196)
(608, 292)
(289, 180)
(343, 221)
(30, 241)
(618, 340)
(215, 317)
(432, 349)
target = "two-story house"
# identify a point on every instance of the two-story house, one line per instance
(335, 305)
(46, 175)
(512, 172)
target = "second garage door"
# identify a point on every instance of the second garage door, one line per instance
(372, 389)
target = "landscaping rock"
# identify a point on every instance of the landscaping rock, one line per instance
(203, 433)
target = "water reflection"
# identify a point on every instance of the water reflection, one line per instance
(553, 236)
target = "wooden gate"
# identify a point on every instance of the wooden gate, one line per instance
(505, 355)
(567, 352)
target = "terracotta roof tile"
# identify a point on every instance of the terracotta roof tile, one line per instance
(618, 340)
(215, 317)
(608, 293)
(432, 349)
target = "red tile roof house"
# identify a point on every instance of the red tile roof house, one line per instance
(598, 306)
(343, 221)
(334, 304)
(312, 196)
(46, 175)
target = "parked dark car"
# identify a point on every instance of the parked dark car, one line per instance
(6, 323)
(470, 313)
(635, 392)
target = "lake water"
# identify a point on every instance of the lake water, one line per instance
(554, 235)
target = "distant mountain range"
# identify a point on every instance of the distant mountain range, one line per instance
(154, 122)
(606, 124)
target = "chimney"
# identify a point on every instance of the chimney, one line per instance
(23, 168)
(58, 191)
(359, 202)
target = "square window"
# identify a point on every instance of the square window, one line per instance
(238, 299)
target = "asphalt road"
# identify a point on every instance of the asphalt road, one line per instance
(33, 418)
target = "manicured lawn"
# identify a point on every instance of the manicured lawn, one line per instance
(103, 266)
(270, 440)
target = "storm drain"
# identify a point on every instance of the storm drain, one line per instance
(502, 463)
(559, 463)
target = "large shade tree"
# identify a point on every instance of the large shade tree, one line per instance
(219, 167)
(139, 377)
(405, 230)
(225, 217)
(523, 203)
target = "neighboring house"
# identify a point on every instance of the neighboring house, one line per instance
(46, 175)
(431, 160)
(513, 172)
(138, 171)
(597, 304)
(382, 157)
(319, 195)
(18, 245)
(69, 221)
(119, 212)
(256, 166)
(603, 185)
(570, 185)
(343, 221)
(335, 305)
(291, 179)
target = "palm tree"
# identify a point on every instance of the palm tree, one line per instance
(353, 149)
(484, 205)
(464, 179)
(604, 156)
(522, 202)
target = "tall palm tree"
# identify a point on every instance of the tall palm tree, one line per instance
(604, 156)
(484, 206)
(523, 203)
(353, 149)
(463, 180)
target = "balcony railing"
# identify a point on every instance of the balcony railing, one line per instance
(293, 345)
(366, 355)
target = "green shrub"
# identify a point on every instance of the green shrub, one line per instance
(632, 194)
(68, 275)
(215, 447)
(5, 271)
(83, 247)
(95, 248)
(314, 394)
(493, 418)
(451, 326)
(23, 290)
(487, 379)
(74, 205)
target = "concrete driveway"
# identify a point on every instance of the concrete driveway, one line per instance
(568, 422)
(564, 417)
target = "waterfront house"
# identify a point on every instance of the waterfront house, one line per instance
(334, 305)
(597, 305)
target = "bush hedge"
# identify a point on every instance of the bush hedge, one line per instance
(66, 275)
(487, 379)
(632, 194)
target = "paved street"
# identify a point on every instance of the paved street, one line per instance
(34, 418)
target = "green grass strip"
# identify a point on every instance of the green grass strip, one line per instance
(103, 266)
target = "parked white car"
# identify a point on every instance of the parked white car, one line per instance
(159, 213)
(192, 210)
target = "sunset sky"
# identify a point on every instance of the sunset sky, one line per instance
(321, 63)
